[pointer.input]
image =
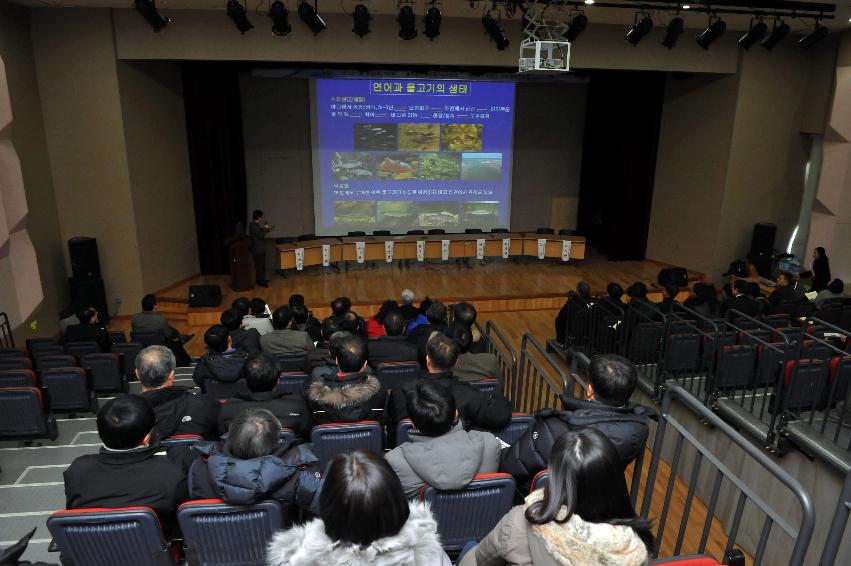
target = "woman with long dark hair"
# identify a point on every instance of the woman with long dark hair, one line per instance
(821, 269)
(365, 520)
(583, 516)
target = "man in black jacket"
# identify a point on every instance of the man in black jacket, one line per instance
(222, 363)
(393, 347)
(784, 292)
(178, 410)
(352, 393)
(261, 377)
(245, 339)
(322, 356)
(466, 314)
(478, 410)
(89, 330)
(437, 315)
(740, 301)
(606, 408)
(128, 471)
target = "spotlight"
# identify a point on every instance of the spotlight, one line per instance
(778, 32)
(308, 15)
(639, 30)
(407, 23)
(673, 32)
(149, 11)
(496, 33)
(280, 18)
(754, 34)
(589, 2)
(577, 25)
(360, 20)
(236, 12)
(819, 33)
(711, 33)
(432, 22)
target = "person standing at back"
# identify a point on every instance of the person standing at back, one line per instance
(821, 269)
(258, 230)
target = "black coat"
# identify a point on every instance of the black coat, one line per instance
(247, 340)
(290, 409)
(386, 349)
(224, 368)
(179, 411)
(478, 410)
(742, 303)
(89, 332)
(780, 295)
(821, 274)
(138, 477)
(346, 398)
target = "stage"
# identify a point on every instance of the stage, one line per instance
(497, 286)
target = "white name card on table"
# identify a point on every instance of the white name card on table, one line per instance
(565, 250)
(326, 255)
(299, 259)
(444, 249)
(506, 247)
(360, 251)
(420, 250)
(480, 249)
(388, 251)
(542, 248)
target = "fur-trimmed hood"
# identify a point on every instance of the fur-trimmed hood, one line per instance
(344, 393)
(577, 542)
(417, 544)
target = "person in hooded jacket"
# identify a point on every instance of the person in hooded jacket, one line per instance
(222, 364)
(350, 394)
(364, 520)
(606, 408)
(440, 453)
(178, 410)
(254, 464)
(582, 517)
(466, 314)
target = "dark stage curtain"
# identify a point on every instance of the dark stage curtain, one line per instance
(216, 158)
(619, 161)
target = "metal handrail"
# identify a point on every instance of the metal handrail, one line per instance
(528, 389)
(492, 330)
(7, 340)
(837, 525)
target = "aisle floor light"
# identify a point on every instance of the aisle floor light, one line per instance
(755, 32)
(675, 29)
(360, 20)
(712, 32)
(308, 15)
(432, 22)
(280, 18)
(236, 12)
(407, 23)
(148, 9)
(495, 32)
(577, 26)
(818, 33)
(778, 32)
(641, 28)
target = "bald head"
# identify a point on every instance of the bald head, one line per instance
(155, 367)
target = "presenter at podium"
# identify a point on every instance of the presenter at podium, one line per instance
(258, 230)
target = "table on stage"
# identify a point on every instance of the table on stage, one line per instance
(327, 251)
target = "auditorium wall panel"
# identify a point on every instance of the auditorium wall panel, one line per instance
(28, 137)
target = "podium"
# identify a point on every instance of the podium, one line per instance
(241, 263)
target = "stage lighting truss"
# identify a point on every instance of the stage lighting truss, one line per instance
(545, 22)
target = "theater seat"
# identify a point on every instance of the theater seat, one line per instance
(540, 480)
(104, 372)
(515, 429)
(292, 382)
(691, 560)
(148, 338)
(393, 375)
(220, 390)
(37, 345)
(80, 349)
(403, 429)
(291, 362)
(218, 534)
(488, 386)
(334, 438)
(17, 378)
(470, 513)
(117, 336)
(23, 414)
(127, 353)
(43, 362)
(69, 390)
(15, 363)
(179, 439)
(130, 536)
(12, 352)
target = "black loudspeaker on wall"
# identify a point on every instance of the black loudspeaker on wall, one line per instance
(89, 293)
(83, 252)
(205, 295)
(762, 241)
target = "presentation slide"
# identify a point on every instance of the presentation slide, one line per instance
(402, 154)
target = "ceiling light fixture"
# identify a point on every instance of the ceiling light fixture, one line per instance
(407, 23)
(756, 31)
(360, 20)
(280, 18)
(495, 32)
(148, 9)
(675, 29)
(311, 18)
(713, 31)
(778, 32)
(639, 29)
(577, 25)
(236, 12)
(818, 33)
(432, 22)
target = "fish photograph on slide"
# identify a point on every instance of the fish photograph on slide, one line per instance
(461, 137)
(375, 137)
(440, 166)
(438, 214)
(397, 214)
(480, 213)
(481, 166)
(419, 137)
(354, 213)
(348, 166)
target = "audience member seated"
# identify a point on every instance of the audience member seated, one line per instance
(392, 347)
(89, 329)
(283, 339)
(470, 366)
(222, 362)
(478, 410)
(178, 410)
(740, 301)
(340, 307)
(149, 320)
(321, 355)
(441, 454)
(253, 464)
(420, 319)
(365, 520)
(784, 292)
(584, 515)
(257, 318)
(669, 299)
(67, 317)
(580, 299)
(704, 300)
(352, 323)
(835, 292)
(613, 298)
(245, 339)
(261, 377)
(331, 368)
(436, 315)
(127, 471)
(637, 293)
(465, 313)
(606, 408)
(375, 325)
(304, 321)
(407, 309)
(351, 394)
